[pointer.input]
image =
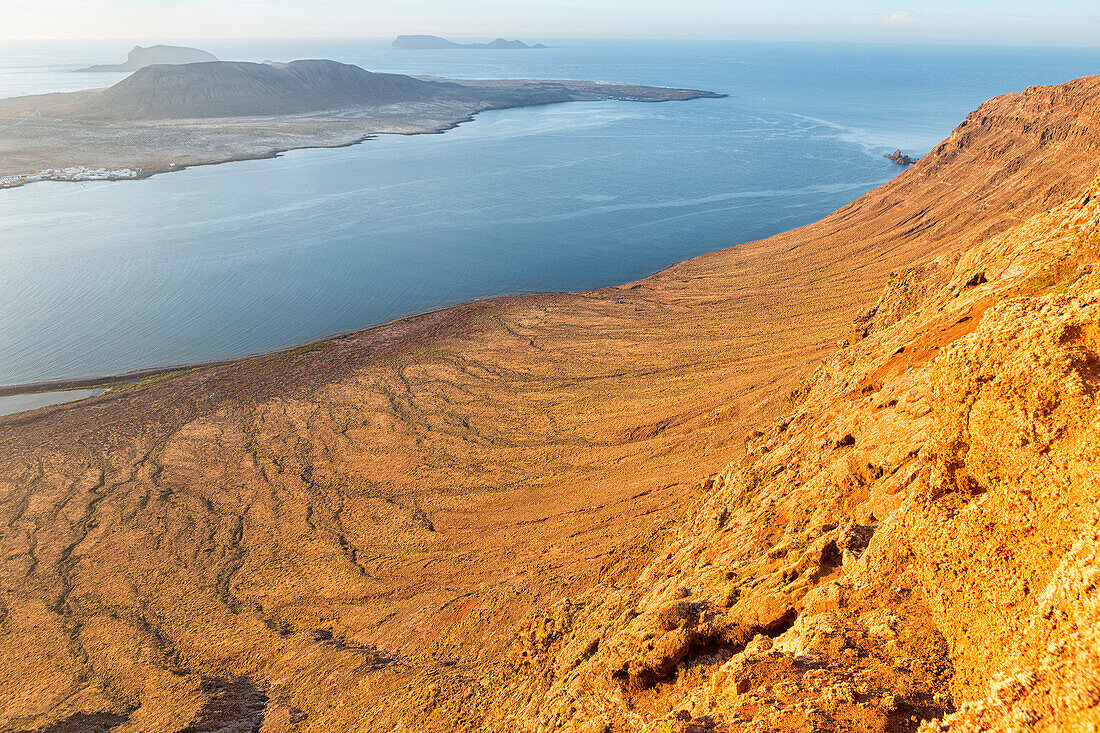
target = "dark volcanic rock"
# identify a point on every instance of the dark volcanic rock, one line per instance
(900, 159)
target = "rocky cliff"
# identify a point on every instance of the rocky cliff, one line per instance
(840, 479)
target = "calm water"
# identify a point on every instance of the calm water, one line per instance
(244, 257)
(22, 402)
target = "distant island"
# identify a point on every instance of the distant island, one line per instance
(244, 89)
(422, 43)
(168, 117)
(900, 159)
(141, 57)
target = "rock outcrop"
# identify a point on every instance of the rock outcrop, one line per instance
(500, 517)
(900, 158)
(912, 545)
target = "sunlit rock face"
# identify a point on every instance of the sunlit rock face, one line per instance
(841, 479)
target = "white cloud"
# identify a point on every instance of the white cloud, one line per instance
(900, 16)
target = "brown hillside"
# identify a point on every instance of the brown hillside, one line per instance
(494, 517)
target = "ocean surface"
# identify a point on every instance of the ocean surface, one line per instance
(227, 260)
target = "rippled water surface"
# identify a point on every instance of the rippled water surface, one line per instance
(243, 257)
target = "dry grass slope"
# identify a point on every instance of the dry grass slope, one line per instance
(675, 505)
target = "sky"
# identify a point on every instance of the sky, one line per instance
(1003, 22)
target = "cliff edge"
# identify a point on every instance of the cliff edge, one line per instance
(841, 479)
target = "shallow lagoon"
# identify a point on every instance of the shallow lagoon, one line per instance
(12, 404)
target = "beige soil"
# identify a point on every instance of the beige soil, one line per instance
(843, 479)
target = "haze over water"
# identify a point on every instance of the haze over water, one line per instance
(227, 260)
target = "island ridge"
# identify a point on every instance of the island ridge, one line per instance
(168, 117)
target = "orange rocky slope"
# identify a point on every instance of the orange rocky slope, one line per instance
(491, 517)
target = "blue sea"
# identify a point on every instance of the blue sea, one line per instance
(239, 258)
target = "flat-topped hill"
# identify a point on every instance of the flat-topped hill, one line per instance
(141, 56)
(167, 117)
(423, 43)
(245, 89)
(242, 89)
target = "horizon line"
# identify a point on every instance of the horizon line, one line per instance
(673, 39)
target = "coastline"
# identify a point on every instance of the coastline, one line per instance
(139, 150)
(138, 375)
(438, 128)
(149, 172)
